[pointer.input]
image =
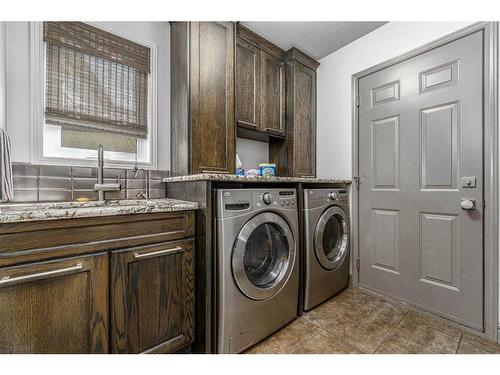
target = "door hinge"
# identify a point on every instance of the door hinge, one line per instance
(356, 181)
(357, 264)
(357, 101)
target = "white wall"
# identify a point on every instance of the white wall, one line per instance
(334, 84)
(18, 83)
(2, 75)
(251, 152)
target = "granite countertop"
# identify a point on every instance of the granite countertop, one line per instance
(234, 178)
(16, 213)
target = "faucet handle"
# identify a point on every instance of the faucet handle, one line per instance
(141, 195)
(100, 155)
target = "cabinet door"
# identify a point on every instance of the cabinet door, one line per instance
(212, 97)
(152, 298)
(273, 95)
(55, 307)
(248, 85)
(304, 121)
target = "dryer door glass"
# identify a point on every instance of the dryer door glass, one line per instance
(263, 256)
(266, 255)
(331, 238)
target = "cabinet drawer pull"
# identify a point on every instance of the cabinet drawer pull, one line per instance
(213, 171)
(152, 254)
(6, 280)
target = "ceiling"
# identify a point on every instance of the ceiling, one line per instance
(317, 39)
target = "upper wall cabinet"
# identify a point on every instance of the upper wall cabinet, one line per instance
(297, 155)
(202, 97)
(260, 87)
(273, 95)
(248, 85)
(302, 118)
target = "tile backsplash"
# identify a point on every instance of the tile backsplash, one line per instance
(47, 183)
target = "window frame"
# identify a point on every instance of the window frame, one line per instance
(80, 157)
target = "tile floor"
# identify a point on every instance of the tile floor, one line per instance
(357, 322)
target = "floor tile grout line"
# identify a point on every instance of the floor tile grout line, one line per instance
(306, 339)
(354, 345)
(343, 340)
(310, 338)
(459, 342)
(391, 333)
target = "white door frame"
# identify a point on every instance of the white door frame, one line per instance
(490, 157)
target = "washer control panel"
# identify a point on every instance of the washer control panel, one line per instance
(235, 202)
(275, 199)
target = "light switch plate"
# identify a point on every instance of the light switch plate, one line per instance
(468, 182)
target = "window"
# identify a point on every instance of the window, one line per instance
(96, 87)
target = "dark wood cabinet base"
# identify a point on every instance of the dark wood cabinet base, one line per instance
(56, 292)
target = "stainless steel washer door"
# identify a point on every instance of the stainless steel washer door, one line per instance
(263, 256)
(331, 238)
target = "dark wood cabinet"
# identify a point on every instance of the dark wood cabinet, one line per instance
(303, 119)
(202, 97)
(121, 283)
(152, 298)
(296, 156)
(273, 95)
(248, 85)
(224, 84)
(58, 306)
(260, 87)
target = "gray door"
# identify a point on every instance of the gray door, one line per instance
(420, 161)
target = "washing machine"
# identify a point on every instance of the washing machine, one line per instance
(257, 268)
(326, 244)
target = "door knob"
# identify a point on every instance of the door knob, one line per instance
(468, 204)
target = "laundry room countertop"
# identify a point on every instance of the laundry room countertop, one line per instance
(15, 213)
(235, 178)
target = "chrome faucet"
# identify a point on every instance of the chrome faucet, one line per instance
(142, 194)
(101, 187)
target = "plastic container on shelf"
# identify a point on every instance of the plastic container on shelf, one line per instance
(267, 169)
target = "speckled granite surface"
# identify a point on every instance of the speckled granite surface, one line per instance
(234, 178)
(16, 213)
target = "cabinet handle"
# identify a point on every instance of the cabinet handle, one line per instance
(6, 280)
(153, 254)
(213, 171)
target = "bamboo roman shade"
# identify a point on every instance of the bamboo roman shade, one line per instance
(95, 81)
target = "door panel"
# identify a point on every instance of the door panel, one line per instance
(304, 121)
(248, 85)
(55, 307)
(420, 131)
(439, 249)
(385, 153)
(439, 145)
(273, 95)
(385, 233)
(152, 298)
(212, 97)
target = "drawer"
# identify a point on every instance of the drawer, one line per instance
(27, 242)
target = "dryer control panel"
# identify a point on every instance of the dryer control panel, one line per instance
(319, 197)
